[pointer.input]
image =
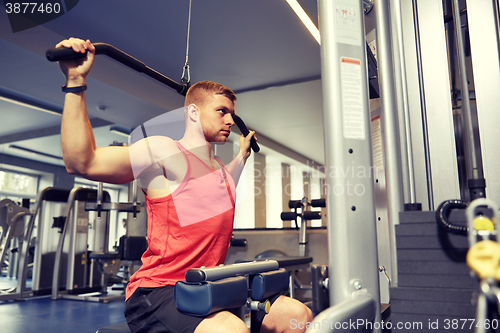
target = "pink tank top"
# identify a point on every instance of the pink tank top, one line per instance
(189, 228)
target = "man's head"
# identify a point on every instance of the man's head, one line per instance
(213, 105)
(200, 91)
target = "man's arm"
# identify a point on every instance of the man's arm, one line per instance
(81, 156)
(236, 166)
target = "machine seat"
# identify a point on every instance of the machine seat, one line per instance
(283, 261)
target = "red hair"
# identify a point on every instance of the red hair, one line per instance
(197, 93)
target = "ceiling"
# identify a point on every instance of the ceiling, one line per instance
(259, 48)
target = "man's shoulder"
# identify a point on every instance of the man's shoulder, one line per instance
(156, 146)
(157, 141)
(162, 140)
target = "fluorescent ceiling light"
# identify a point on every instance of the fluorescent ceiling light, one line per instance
(297, 8)
(120, 131)
(36, 152)
(28, 104)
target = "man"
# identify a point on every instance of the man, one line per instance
(190, 200)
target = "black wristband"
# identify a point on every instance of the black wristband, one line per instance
(74, 89)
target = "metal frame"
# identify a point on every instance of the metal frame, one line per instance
(429, 99)
(421, 59)
(351, 216)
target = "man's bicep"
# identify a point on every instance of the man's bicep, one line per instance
(111, 165)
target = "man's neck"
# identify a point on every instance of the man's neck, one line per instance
(202, 149)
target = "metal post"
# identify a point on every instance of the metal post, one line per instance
(99, 198)
(402, 94)
(23, 264)
(303, 228)
(425, 130)
(496, 13)
(387, 87)
(60, 245)
(353, 263)
(470, 154)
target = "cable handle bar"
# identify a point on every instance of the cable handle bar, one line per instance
(64, 53)
(244, 130)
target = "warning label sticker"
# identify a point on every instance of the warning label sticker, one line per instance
(352, 99)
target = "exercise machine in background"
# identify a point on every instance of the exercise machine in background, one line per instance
(35, 249)
(302, 208)
(63, 245)
(90, 268)
(12, 225)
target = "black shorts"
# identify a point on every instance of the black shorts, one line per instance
(153, 310)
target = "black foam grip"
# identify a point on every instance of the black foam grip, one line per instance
(63, 53)
(238, 242)
(311, 215)
(294, 204)
(244, 130)
(288, 216)
(318, 203)
(67, 53)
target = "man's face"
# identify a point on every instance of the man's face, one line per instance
(216, 117)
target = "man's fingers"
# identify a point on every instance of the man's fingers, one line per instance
(78, 45)
(251, 135)
(89, 46)
(64, 43)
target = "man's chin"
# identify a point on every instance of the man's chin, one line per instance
(219, 141)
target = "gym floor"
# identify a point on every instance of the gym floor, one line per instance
(43, 315)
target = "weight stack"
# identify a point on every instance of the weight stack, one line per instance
(435, 292)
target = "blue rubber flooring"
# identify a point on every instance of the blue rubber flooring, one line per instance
(40, 315)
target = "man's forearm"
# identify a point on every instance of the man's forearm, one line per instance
(77, 138)
(236, 167)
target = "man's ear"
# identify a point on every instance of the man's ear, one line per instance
(192, 112)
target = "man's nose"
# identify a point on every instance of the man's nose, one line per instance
(229, 119)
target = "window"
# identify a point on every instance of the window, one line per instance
(269, 180)
(17, 185)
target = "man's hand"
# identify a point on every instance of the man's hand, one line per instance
(245, 145)
(77, 70)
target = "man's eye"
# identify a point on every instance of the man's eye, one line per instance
(221, 111)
